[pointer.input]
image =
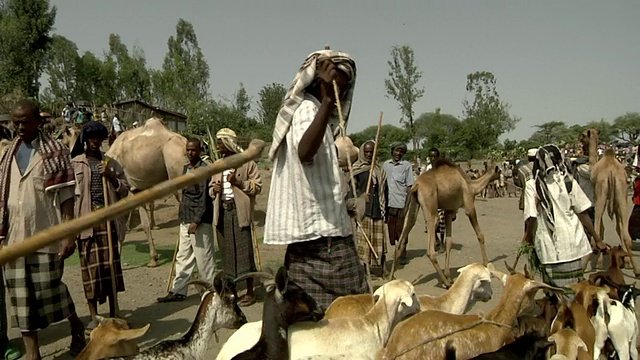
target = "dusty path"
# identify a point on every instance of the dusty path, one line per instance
(499, 218)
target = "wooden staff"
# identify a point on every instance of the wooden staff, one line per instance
(375, 153)
(114, 290)
(172, 271)
(71, 228)
(256, 246)
(343, 129)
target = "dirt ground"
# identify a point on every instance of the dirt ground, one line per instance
(499, 218)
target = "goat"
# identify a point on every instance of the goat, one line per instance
(531, 346)
(285, 304)
(112, 337)
(360, 336)
(424, 335)
(594, 300)
(567, 343)
(540, 323)
(473, 283)
(573, 315)
(218, 309)
(613, 275)
(623, 324)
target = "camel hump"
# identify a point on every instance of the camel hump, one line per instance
(154, 123)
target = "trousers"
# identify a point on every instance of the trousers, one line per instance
(194, 250)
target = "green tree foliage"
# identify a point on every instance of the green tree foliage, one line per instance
(627, 127)
(270, 100)
(607, 131)
(553, 132)
(440, 131)
(133, 80)
(25, 27)
(402, 85)
(62, 60)
(241, 101)
(388, 135)
(183, 82)
(486, 117)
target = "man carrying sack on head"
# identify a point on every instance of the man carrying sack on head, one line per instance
(234, 193)
(306, 210)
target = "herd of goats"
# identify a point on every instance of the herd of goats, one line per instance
(591, 319)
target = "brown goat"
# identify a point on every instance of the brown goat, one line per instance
(425, 335)
(574, 316)
(613, 276)
(113, 337)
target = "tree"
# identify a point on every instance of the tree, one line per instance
(62, 60)
(132, 76)
(183, 82)
(551, 132)
(402, 85)
(241, 101)
(271, 97)
(25, 26)
(486, 117)
(627, 127)
(438, 130)
(388, 135)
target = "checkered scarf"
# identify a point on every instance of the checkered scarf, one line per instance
(295, 94)
(58, 171)
(549, 160)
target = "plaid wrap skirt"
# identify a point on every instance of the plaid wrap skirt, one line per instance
(95, 266)
(563, 274)
(236, 244)
(324, 272)
(375, 232)
(37, 294)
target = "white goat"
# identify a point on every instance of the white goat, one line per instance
(473, 284)
(567, 344)
(623, 324)
(358, 337)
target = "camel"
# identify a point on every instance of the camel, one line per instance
(610, 181)
(149, 155)
(446, 187)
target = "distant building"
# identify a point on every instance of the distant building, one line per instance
(131, 111)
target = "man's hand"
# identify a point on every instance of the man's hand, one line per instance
(327, 73)
(192, 228)
(105, 170)
(216, 187)
(66, 248)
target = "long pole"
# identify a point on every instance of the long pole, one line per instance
(74, 227)
(114, 290)
(375, 155)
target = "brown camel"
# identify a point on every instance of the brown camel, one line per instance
(446, 187)
(149, 155)
(610, 181)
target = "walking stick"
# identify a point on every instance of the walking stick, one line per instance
(256, 246)
(375, 155)
(73, 227)
(353, 182)
(173, 265)
(114, 290)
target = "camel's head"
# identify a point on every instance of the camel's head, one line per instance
(585, 137)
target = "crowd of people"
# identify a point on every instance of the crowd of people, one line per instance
(336, 222)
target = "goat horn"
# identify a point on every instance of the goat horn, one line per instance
(509, 268)
(258, 274)
(201, 283)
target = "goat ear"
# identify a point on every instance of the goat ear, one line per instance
(378, 294)
(581, 344)
(282, 279)
(100, 319)
(218, 283)
(132, 333)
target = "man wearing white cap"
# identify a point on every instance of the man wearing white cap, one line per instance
(525, 172)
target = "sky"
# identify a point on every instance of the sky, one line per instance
(574, 60)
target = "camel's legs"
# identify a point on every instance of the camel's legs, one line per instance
(623, 232)
(146, 225)
(431, 218)
(473, 218)
(152, 217)
(448, 241)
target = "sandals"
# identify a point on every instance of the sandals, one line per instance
(246, 300)
(171, 297)
(12, 352)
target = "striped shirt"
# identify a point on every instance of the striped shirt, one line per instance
(305, 200)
